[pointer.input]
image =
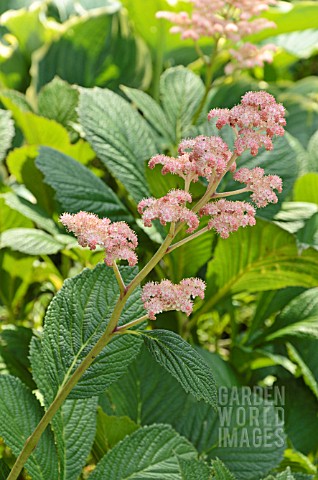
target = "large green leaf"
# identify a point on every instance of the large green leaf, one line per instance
(149, 453)
(16, 276)
(120, 137)
(77, 188)
(4, 470)
(11, 218)
(103, 42)
(58, 101)
(248, 447)
(264, 257)
(31, 211)
(304, 370)
(30, 241)
(181, 92)
(76, 319)
(301, 44)
(298, 318)
(20, 413)
(6, 132)
(73, 425)
(183, 362)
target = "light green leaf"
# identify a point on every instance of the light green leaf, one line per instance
(74, 425)
(31, 211)
(305, 371)
(120, 137)
(299, 318)
(20, 413)
(152, 453)
(76, 319)
(220, 471)
(6, 132)
(306, 188)
(194, 469)
(30, 241)
(313, 153)
(58, 101)
(110, 430)
(301, 43)
(293, 216)
(261, 258)
(11, 218)
(183, 362)
(181, 93)
(77, 188)
(16, 276)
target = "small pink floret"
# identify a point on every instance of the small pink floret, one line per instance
(170, 208)
(118, 239)
(165, 296)
(261, 185)
(228, 216)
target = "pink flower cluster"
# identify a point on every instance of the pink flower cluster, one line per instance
(230, 19)
(165, 296)
(170, 208)
(261, 185)
(255, 121)
(250, 56)
(227, 18)
(116, 238)
(199, 157)
(228, 216)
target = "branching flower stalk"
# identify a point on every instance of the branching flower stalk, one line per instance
(226, 23)
(255, 122)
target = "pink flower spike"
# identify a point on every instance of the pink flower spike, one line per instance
(165, 296)
(170, 208)
(118, 239)
(228, 216)
(261, 185)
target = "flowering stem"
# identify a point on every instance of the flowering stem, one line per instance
(110, 331)
(187, 239)
(122, 328)
(229, 194)
(120, 281)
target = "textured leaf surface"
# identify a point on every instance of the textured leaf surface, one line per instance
(152, 453)
(181, 92)
(220, 471)
(183, 362)
(20, 412)
(77, 188)
(73, 425)
(261, 258)
(6, 132)
(76, 319)
(58, 101)
(30, 241)
(194, 469)
(119, 136)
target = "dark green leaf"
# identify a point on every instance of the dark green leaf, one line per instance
(152, 453)
(20, 413)
(120, 137)
(183, 362)
(77, 188)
